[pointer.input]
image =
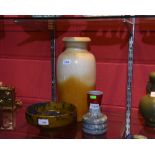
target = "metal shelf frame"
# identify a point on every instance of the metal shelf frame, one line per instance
(69, 17)
(131, 26)
(130, 21)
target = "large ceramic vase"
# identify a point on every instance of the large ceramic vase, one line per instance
(147, 103)
(76, 73)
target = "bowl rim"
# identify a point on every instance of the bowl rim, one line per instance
(74, 110)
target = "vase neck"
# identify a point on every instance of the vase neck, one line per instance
(81, 45)
(94, 108)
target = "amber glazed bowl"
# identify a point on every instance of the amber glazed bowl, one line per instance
(50, 115)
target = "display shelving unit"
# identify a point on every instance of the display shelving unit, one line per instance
(128, 20)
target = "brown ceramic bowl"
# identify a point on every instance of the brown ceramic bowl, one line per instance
(50, 115)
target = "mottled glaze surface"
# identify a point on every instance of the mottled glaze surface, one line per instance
(55, 114)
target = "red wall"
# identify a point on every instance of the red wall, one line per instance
(25, 56)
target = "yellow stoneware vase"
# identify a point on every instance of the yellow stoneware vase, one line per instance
(76, 73)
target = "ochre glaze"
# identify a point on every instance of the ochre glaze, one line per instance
(74, 91)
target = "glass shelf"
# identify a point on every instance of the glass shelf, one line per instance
(115, 128)
(74, 17)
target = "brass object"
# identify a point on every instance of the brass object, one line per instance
(7, 96)
(7, 107)
(50, 115)
(18, 103)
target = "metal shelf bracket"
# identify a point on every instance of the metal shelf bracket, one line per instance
(127, 132)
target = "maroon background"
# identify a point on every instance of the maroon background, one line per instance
(25, 56)
(25, 59)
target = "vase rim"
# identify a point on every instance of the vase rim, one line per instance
(95, 92)
(77, 39)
